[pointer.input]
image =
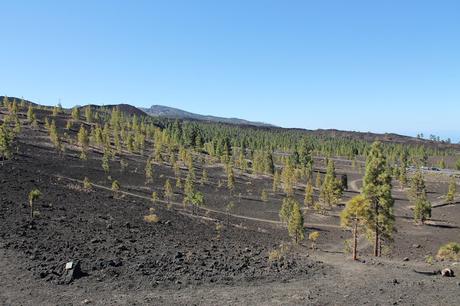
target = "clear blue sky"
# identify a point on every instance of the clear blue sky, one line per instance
(382, 66)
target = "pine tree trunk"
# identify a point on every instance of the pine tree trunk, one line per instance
(355, 240)
(377, 233)
(31, 210)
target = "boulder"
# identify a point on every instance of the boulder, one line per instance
(72, 271)
(447, 272)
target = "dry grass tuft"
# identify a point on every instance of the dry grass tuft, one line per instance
(278, 254)
(152, 218)
(450, 251)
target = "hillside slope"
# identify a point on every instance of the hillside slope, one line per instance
(175, 113)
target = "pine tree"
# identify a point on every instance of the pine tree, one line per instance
(14, 108)
(83, 141)
(139, 142)
(154, 198)
(197, 200)
(116, 188)
(295, 224)
(276, 181)
(189, 189)
(355, 216)
(105, 161)
(288, 178)
(331, 191)
(417, 195)
(148, 171)
(75, 113)
(264, 195)
(88, 114)
(117, 141)
(403, 175)
(457, 164)
(308, 199)
(87, 184)
(451, 191)
(178, 182)
(318, 182)
(204, 177)
(33, 196)
(30, 114)
(377, 190)
(69, 124)
(54, 136)
(269, 166)
(6, 142)
(286, 209)
(442, 164)
(177, 171)
(242, 161)
(172, 159)
(313, 237)
(168, 191)
(5, 102)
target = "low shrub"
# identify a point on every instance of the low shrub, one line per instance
(450, 251)
(152, 218)
(278, 254)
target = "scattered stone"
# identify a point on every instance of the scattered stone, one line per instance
(86, 301)
(416, 246)
(178, 255)
(447, 272)
(72, 271)
(406, 259)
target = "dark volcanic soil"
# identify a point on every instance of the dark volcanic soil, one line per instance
(113, 243)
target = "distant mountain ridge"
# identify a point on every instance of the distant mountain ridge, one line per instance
(124, 108)
(175, 113)
(172, 113)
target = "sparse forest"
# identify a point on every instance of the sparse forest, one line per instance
(288, 193)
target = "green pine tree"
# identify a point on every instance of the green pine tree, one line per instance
(295, 224)
(356, 217)
(418, 197)
(308, 198)
(377, 190)
(331, 191)
(451, 191)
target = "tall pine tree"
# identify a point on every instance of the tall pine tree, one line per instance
(377, 190)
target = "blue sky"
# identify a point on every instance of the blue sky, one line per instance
(381, 66)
